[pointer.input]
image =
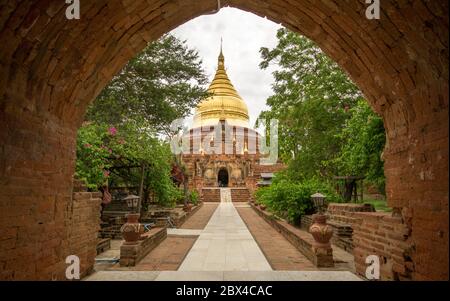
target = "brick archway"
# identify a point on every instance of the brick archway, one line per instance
(52, 68)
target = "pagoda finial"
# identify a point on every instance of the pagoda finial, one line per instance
(221, 57)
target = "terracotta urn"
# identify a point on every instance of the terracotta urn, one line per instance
(132, 229)
(321, 232)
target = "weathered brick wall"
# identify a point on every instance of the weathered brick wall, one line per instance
(52, 68)
(84, 229)
(37, 250)
(380, 234)
(130, 255)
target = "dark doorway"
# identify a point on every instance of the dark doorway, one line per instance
(222, 178)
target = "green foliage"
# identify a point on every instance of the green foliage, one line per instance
(363, 142)
(92, 153)
(311, 100)
(119, 143)
(325, 126)
(116, 155)
(380, 205)
(291, 199)
(193, 197)
(163, 83)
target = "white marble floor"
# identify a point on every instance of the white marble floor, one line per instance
(225, 245)
(223, 276)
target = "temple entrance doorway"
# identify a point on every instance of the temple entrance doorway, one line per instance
(222, 178)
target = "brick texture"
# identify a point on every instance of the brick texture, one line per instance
(388, 238)
(52, 68)
(240, 195)
(38, 251)
(210, 195)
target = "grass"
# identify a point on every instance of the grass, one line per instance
(380, 205)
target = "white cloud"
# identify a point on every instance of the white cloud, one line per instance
(243, 35)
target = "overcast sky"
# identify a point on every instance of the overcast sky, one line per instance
(243, 35)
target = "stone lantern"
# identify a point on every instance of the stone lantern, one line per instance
(318, 201)
(132, 202)
(132, 229)
(321, 233)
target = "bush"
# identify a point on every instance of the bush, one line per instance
(193, 197)
(291, 200)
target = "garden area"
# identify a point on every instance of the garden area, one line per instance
(326, 129)
(123, 145)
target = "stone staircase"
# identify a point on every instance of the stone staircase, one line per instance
(225, 195)
(210, 195)
(240, 194)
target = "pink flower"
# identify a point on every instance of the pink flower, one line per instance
(87, 145)
(106, 173)
(112, 131)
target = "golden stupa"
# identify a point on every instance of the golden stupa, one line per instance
(224, 104)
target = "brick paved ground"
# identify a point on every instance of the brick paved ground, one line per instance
(280, 253)
(165, 257)
(201, 217)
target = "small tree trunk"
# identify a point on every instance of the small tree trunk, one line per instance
(141, 188)
(186, 190)
(349, 184)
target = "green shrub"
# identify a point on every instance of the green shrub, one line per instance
(193, 197)
(291, 200)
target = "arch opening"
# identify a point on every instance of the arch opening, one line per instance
(222, 178)
(53, 68)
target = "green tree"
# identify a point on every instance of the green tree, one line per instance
(120, 140)
(363, 142)
(312, 100)
(161, 84)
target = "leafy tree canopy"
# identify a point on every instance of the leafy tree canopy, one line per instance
(161, 84)
(324, 122)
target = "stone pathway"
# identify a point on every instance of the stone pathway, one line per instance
(225, 245)
(225, 250)
(225, 195)
(223, 276)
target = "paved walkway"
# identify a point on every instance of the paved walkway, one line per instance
(225, 245)
(223, 276)
(226, 250)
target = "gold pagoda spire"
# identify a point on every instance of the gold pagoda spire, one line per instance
(225, 102)
(221, 84)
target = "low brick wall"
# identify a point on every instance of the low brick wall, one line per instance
(240, 194)
(84, 226)
(210, 195)
(300, 239)
(179, 220)
(341, 219)
(130, 255)
(381, 234)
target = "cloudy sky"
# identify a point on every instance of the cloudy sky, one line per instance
(243, 35)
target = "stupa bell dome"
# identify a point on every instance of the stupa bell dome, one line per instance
(224, 104)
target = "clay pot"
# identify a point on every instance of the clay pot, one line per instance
(132, 229)
(321, 232)
(187, 208)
